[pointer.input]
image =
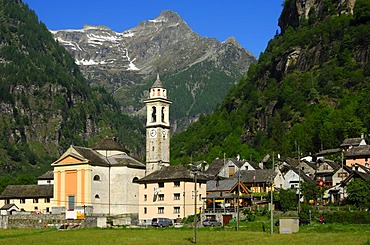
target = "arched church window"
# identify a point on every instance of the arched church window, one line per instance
(154, 114)
(96, 177)
(159, 92)
(134, 180)
(162, 114)
(97, 196)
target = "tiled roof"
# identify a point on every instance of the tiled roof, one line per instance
(110, 145)
(27, 191)
(172, 173)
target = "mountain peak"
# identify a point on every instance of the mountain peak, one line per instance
(100, 27)
(169, 16)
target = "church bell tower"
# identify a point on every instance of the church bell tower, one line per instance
(157, 128)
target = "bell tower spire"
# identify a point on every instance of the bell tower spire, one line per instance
(157, 127)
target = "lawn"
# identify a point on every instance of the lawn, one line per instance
(311, 234)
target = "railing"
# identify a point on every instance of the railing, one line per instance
(221, 210)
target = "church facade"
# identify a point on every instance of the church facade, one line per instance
(97, 180)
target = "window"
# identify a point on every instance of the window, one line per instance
(154, 114)
(47, 210)
(344, 175)
(35, 200)
(176, 210)
(145, 197)
(22, 201)
(47, 200)
(161, 210)
(71, 202)
(200, 197)
(176, 183)
(145, 186)
(96, 178)
(161, 197)
(231, 170)
(176, 196)
(161, 184)
(48, 181)
(326, 167)
(97, 196)
(145, 210)
(7, 201)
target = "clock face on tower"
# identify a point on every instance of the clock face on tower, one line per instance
(153, 132)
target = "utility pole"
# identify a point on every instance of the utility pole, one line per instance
(272, 196)
(299, 182)
(195, 204)
(237, 207)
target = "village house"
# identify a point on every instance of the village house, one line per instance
(33, 199)
(169, 193)
(225, 168)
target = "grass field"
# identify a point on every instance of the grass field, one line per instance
(311, 234)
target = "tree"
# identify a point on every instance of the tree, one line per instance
(359, 193)
(288, 199)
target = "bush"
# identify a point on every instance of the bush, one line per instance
(348, 217)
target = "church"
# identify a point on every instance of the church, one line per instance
(105, 180)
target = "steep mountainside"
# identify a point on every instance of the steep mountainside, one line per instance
(309, 89)
(45, 102)
(197, 71)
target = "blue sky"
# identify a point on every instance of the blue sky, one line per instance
(252, 23)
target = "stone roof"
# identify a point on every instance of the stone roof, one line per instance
(8, 206)
(351, 142)
(49, 175)
(215, 167)
(91, 156)
(328, 152)
(125, 160)
(158, 83)
(172, 173)
(109, 144)
(221, 185)
(27, 191)
(361, 150)
(258, 175)
(299, 173)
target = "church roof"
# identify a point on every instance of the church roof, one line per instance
(158, 83)
(109, 144)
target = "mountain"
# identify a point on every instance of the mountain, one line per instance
(308, 91)
(198, 71)
(45, 102)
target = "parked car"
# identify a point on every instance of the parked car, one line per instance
(161, 222)
(211, 222)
